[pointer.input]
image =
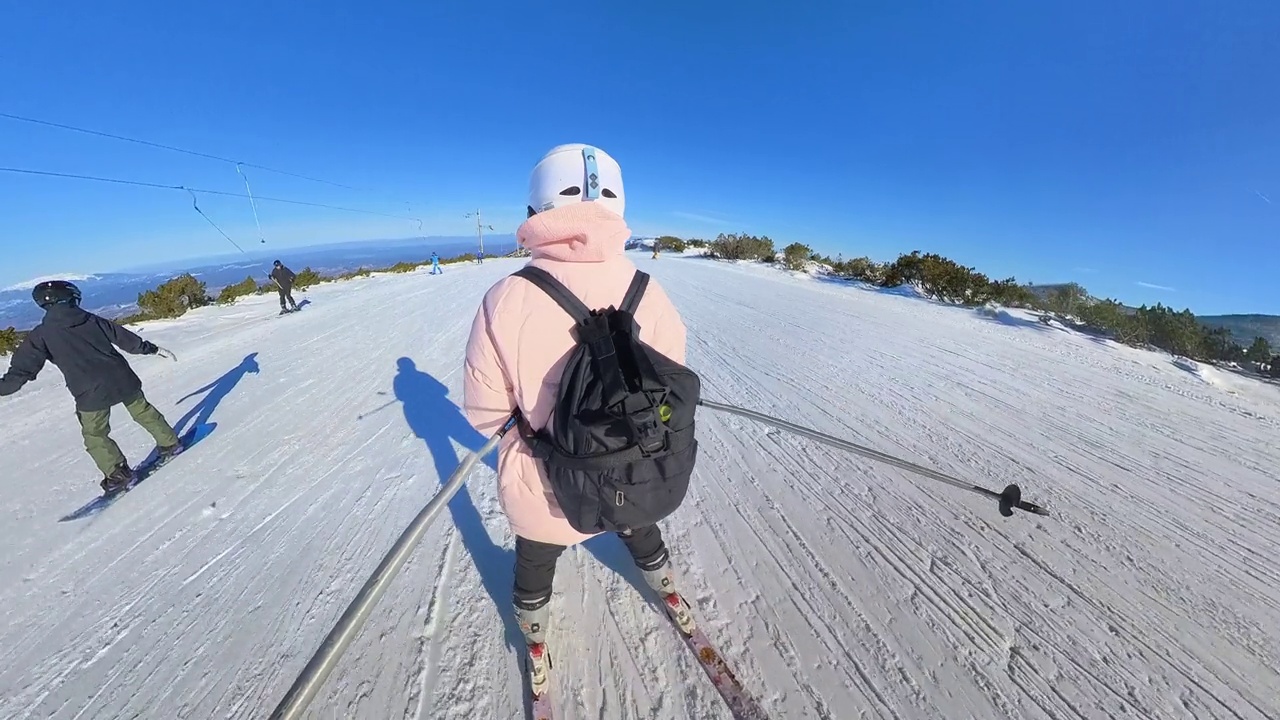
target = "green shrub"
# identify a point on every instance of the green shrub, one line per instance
(231, 293)
(174, 297)
(1009, 293)
(133, 318)
(10, 339)
(796, 256)
(1068, 300)
(359, 272)
(670, 243)
(307, 278)
(861, 268)
(742, 247)
(939, 277)
(1259, 351)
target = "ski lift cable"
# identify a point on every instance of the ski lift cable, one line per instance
(196, 205)
(224, 193)
(253, 205)
(172, 148)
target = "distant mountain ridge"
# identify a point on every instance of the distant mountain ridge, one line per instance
(115, 294)
(1243, 327)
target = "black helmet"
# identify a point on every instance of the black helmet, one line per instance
(56, 292)
(278, 263)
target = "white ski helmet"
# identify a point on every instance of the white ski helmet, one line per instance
(576, 173)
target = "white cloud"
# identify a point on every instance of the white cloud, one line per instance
(701, 217)
(1153, 286)
(28, 284)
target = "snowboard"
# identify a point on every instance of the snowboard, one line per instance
(143, 471)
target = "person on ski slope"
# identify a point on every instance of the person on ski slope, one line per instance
(83, 346)
(435, 264)
(519, 345)
(284, 278)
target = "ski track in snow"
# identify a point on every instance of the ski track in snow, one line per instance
(837, 587)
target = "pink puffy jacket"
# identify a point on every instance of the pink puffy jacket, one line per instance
(520, 342)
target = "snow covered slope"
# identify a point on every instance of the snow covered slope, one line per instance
(837, 587)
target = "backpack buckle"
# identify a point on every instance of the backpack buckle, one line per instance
(649, 431)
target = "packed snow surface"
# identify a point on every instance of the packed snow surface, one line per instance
(837, 587)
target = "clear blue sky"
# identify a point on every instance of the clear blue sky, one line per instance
(1125, 145)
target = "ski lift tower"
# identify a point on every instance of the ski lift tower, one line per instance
(480, 227)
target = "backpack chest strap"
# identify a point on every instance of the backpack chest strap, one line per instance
(543, 449)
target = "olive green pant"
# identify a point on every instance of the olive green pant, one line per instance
(95, 426)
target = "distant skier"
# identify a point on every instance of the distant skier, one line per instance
(284, 278)
(435, 264)
(83, 346)
(480, 258)
(519, 344)
(655, 249)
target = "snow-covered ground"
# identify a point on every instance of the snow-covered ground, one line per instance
(837, 587)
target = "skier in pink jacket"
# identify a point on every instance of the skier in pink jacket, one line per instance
(519, 345)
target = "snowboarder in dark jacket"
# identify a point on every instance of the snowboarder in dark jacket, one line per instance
(83, 346)
(284, 282)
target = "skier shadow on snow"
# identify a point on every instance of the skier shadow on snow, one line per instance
(434, 418)
(216, 391)
(437, 421)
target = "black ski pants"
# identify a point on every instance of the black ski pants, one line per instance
(286, 293)
(536, 563)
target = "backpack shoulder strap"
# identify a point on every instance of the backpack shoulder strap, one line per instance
(577, 309)
(635, 293)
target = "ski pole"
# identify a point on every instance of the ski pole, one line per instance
(1010, 497)
(308, 683)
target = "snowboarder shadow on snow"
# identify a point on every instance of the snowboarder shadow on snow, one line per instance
(192, 428)
(216, 391)
(438, 421)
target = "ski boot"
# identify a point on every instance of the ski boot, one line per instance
(117, 480)
(165, 454)
(662, 580)
(533, 623)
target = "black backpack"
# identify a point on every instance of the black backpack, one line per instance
(620, 447)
